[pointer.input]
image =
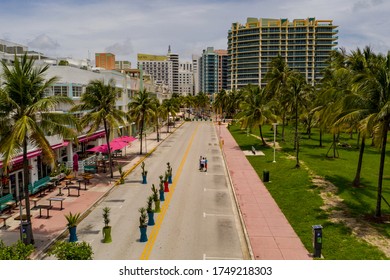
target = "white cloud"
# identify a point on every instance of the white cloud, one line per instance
(43, 42)
(74, 28)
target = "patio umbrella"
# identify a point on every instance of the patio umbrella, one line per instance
(99, 149)
(127, 139)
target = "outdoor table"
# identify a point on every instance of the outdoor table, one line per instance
(10, 205)
(60, 199)
(60, 190)
(47, 207)
(87, 177)
(73, 187)
(50, 186)
(69, 178)
(83, 180)
(35, 200)
(5, 217)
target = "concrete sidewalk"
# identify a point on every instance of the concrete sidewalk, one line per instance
(47, 230)
(270, 235)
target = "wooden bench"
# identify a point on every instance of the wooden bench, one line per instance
(47, 207)
(4, 217)
(6, 201)
(90, 169)
(38, 186)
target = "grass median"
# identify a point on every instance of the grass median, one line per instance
(300, 199)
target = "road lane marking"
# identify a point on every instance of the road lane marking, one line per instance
(160, 218)
(216, 215)
(218, 258)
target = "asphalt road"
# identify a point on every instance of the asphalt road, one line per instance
(199, 218)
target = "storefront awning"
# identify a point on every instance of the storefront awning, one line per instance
(91, 137)
(35, 153)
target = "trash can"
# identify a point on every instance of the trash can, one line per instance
(317, 240)
(265, 175)
(27, 233)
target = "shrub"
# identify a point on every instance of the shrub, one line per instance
(63, 250)
(17, 251)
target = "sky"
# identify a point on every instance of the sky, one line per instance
(79, 29)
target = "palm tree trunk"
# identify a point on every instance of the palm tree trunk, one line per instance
(297, 165)
(320, 137)
(356, 181)
(141, 131)
(108, 148)
(261, 136)
(26, 193)
(334, 145)
(381, 168)
(283, 124)
(168, 123)
(296, 127)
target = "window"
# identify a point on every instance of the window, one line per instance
(77, 91)
(60, 90)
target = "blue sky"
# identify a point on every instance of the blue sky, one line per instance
(126, 27)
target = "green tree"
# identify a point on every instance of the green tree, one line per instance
(169, 109)
(277, 78)
(27, 115)
(299, 91)
(141, 110)
(220, 103)
(255, 109)
(375, 84)
(99, 100)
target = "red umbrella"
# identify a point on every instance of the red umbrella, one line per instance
(99, 149)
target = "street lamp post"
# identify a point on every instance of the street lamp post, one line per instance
(274, 125)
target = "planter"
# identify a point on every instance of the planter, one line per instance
(144, 179)
(107, 235)
(150, 218)
(72, 234)
(166, 188)
(170, 179)
(157, 206)
(162, 196)
(143, 237)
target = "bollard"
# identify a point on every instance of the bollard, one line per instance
(317, 240)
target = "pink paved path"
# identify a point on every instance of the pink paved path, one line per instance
(270, 235)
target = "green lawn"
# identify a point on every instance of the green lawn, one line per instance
(299, 199)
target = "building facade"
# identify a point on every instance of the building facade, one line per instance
(186, 79)
(159, 68)
(175, 70)
(105, 60)
(213, 70)
(305, 44)
(195, 71)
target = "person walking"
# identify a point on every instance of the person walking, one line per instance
(205, 164)
(200, 163)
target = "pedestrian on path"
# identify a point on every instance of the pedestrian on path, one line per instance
(200, 163)
(205, 164)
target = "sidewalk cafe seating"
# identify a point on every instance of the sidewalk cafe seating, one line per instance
(6, 201)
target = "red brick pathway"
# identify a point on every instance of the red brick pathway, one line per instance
(270, 235)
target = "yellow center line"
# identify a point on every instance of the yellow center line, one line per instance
(158, 222)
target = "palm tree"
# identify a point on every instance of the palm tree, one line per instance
(375, 84)
(27, 115)
(141, 109)
(255, 109)
(202, 102)
(299, 91)
(158, 112)
(99, 100)
(169, 108)
(220, 103)
(277, 78)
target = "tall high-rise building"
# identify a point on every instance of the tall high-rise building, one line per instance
(186, 79)
(105, 60)
(222, 69)
(195, 71)
(175, 70)
(213, 70)
(159, 68)
(305, 44)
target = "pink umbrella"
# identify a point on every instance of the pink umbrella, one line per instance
(117, 145)
(125, 139)
(99, 149)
